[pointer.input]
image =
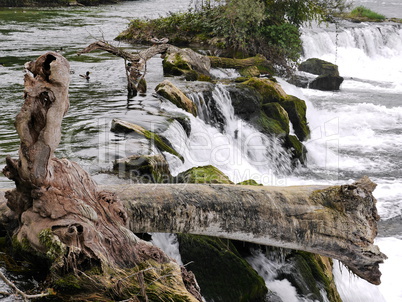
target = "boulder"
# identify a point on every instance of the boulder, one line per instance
(326, 83)
(319, 67)
(328, 75)
(185, 61)
(268, 89)
(270, 92)
(278, 113)
(297, 150)
(221, 272)
(160, 142)
(204, 174)
(176, 96)
(296, 109)
(144, 168)
(309, 274)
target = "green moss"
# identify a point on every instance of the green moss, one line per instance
(69, 284)
(55, 249)
(276, 112)
(319, 67)
(296, 109)
(296, 148)
(221, 273)
(269, 90)
(250, 71)
(310, 273)
(249, 182)
(204, 174)
(270, 126)
(161, 144)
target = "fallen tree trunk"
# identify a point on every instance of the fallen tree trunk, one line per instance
(259, 61)
(338, 222)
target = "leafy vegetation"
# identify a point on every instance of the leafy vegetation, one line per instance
(240, 27)
(364, 14)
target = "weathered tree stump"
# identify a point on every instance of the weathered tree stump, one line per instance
(64, 218)
(135, 63)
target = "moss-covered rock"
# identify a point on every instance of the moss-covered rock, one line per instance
(184, 61)
(250, 71)
(249, 182)
(296, 109)
(144, 168)
(268, 89)
(205, 174)
(176, 96)
(275, 111)
(161, 143)
(297, 149)
(246, 101)
(309, 274)
(319, 67)
(328, 75)
(221, 273)
(269, 126)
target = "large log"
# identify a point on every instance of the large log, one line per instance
(64, 218)
(335, 221)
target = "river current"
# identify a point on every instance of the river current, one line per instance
(356, 131)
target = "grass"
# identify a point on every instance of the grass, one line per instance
(363, 13)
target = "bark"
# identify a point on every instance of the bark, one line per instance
(338, 222)
(62, 215)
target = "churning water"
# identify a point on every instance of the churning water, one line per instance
(356, 131)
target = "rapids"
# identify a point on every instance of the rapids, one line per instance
(355, 131)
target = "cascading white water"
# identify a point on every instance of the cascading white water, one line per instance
(357, 131)
(372, 52)
(268, 268)
(241, 151)
(169, 244)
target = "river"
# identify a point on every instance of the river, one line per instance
(356, 131)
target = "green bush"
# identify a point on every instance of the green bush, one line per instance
(364, 12)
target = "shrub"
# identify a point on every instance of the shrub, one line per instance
(365, 13)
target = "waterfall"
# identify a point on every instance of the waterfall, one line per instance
(270, 266)
(234, 146)
(357, 131)
(369, 52)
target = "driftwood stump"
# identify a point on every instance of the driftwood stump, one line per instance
(65, 219)
(135, 64)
